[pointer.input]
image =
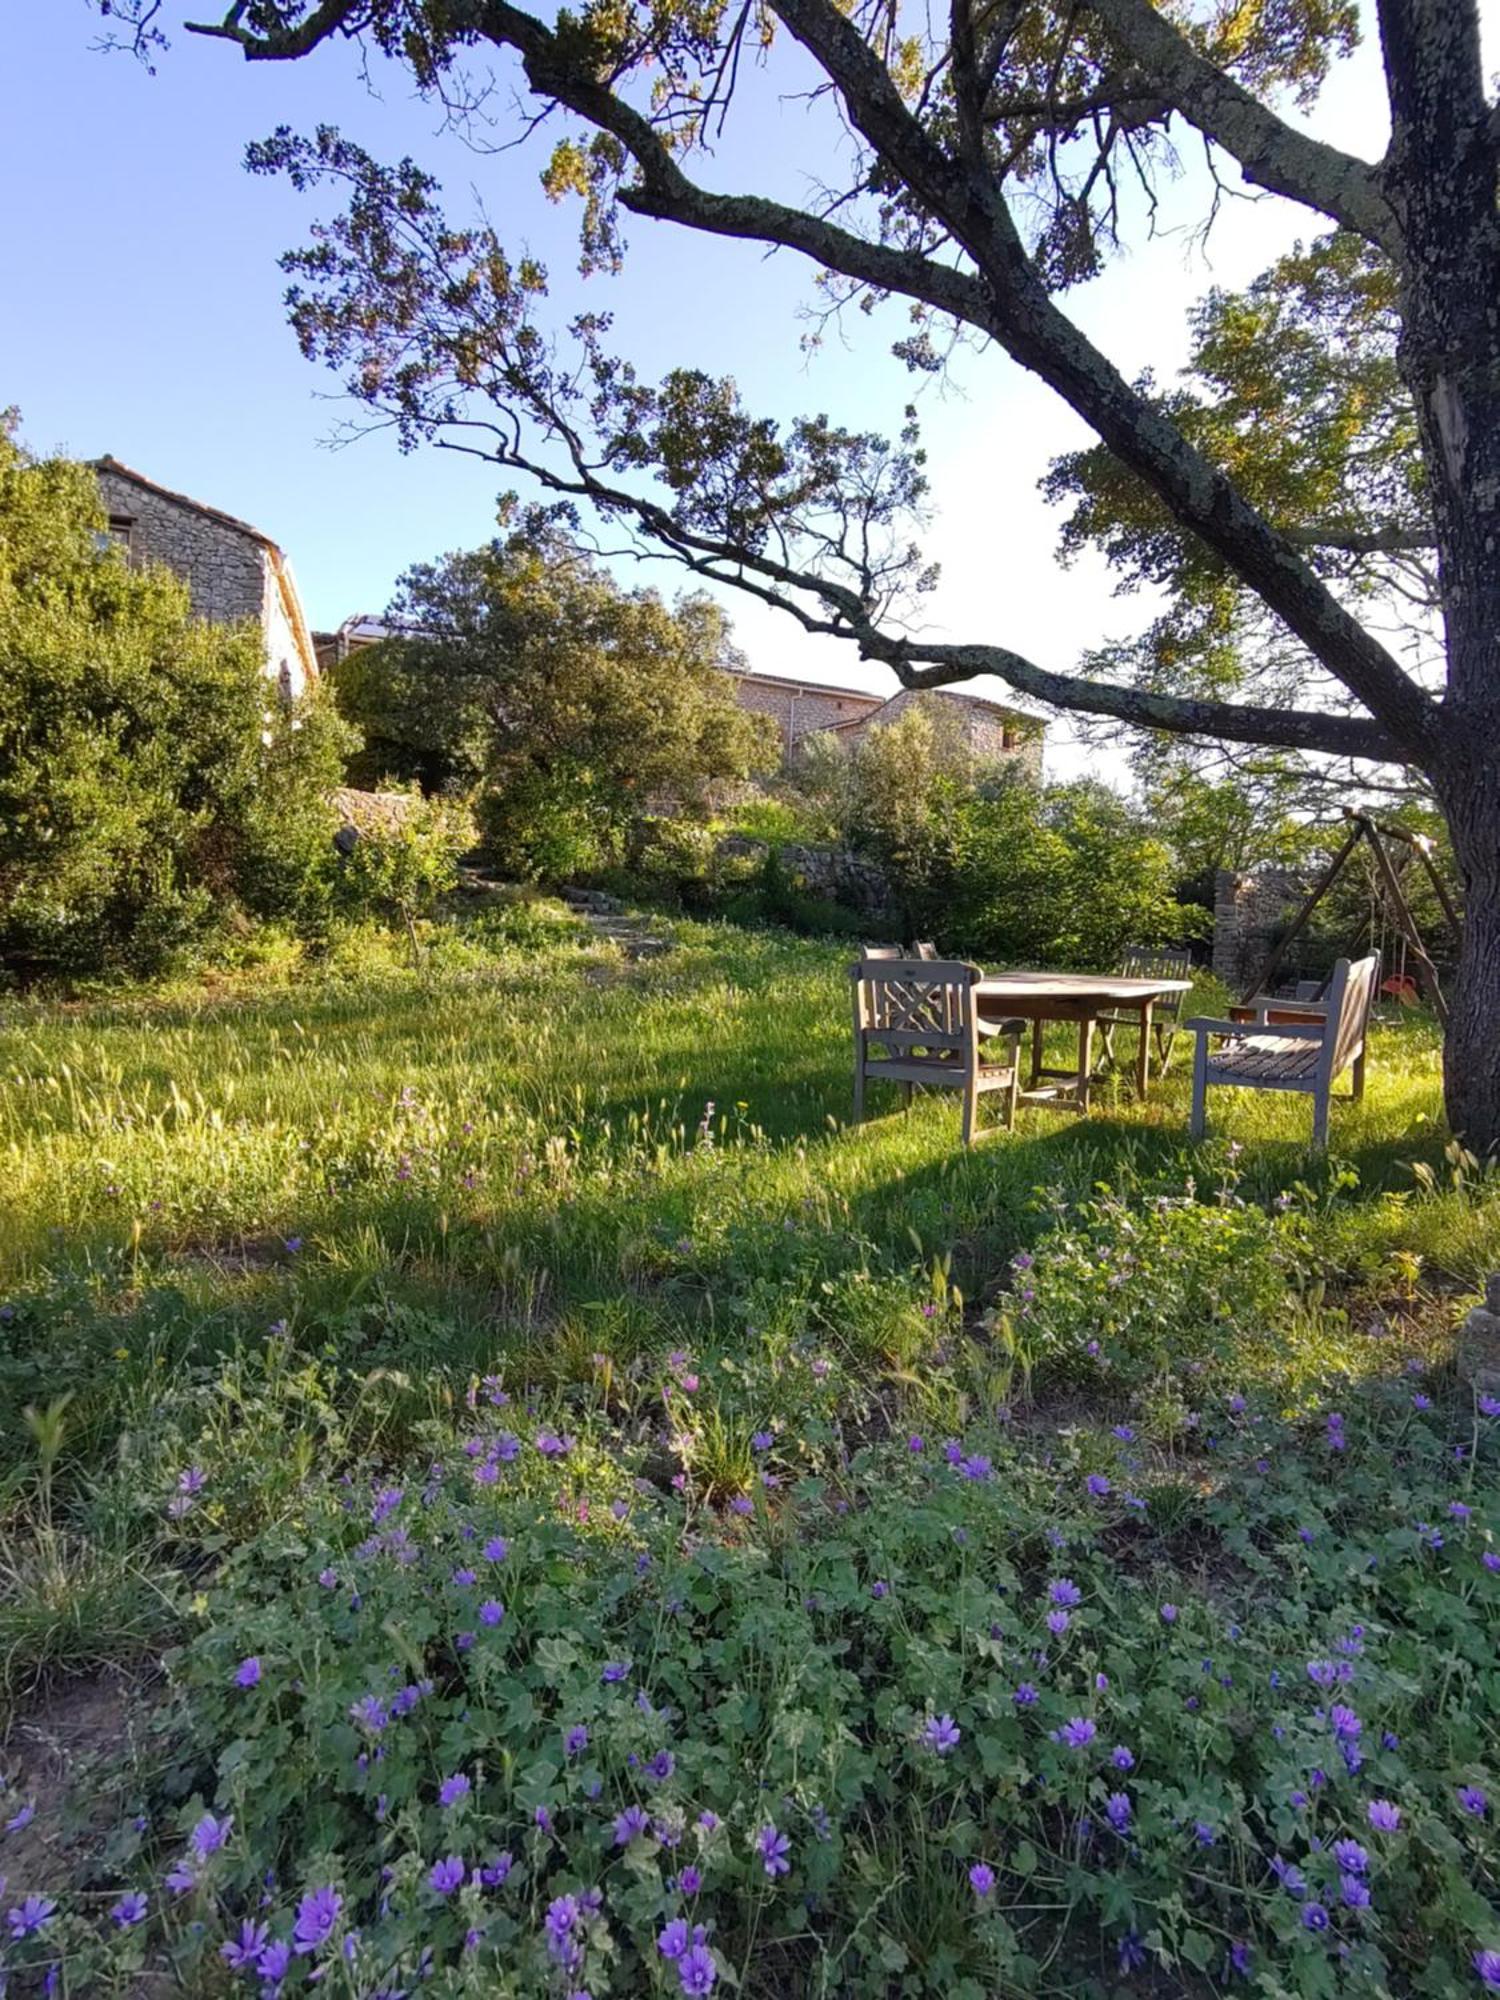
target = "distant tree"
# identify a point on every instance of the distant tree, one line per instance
(151, 779)
(1063, 875)
(578, 709)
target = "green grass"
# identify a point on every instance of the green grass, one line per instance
(541, 1153)
(279, 1223)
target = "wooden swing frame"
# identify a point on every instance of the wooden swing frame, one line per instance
(1363, 827)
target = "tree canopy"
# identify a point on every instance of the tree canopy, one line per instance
(576, 708)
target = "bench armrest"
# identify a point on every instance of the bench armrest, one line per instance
(1203, 1024)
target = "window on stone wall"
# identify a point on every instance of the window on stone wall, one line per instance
(122, 530)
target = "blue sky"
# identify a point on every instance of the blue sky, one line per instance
(146, 320)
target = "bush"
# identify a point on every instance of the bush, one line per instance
(1128, 1290)
(403, 861)
(150, 783)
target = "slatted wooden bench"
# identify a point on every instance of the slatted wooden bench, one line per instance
(1283, 1053)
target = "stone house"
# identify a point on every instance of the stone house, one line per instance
(232, 570)
(991, 730)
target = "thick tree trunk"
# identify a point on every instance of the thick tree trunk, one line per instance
(1440, 177)
(1471, 1055)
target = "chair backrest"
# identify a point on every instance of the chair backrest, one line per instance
(1140, 961)
(915, 1003)
(881, 950)
(924, 948)
(1351, 994)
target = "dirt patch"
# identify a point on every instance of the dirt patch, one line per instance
(69, 1760)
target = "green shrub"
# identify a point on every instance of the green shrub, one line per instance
(1131, 1289)
(151, 784)
(402, 862)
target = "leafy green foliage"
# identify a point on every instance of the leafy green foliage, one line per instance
(150, 779)
(403, 863)
(1293, 388)
(578, 710)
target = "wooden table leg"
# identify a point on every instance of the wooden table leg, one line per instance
(1143, 1059)
(1037, 1028)
(1085, 1060)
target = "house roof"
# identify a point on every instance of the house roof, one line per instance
(122, 471)
(875, 701)
(794, 685)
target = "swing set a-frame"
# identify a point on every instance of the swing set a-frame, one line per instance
(1388, 883)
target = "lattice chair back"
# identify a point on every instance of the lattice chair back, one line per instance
(916, 1005)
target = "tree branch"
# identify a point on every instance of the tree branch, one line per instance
(284, 44)
(919, 663)
(1271, 153)
(1026, 322)
(1384, 541)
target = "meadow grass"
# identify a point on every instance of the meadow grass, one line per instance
(276, 1229)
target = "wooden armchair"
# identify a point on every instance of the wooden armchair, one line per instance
(915, 1022)
(1306, 1053)
(1146, 962)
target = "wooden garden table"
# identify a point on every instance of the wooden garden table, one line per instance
(1040, 997)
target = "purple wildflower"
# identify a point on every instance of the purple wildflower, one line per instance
(941, 1734)
(981, 1878)
(690, 1881)
(129, 1910)
(210, 1834)
(247, 1673)
(774, 1848)
(1473, 1801)
(673, 1941)
(1314, 1917)
(1097, 1484)
(451, 1790)
(696, 1971)
(1351, 1857)
(317, 1914)
(1487, 1965)
(1122, 1758)
(615, 1670)
(241, 1953)
(633, 1821)
(1117, 1811)
(1076, 1734)
(1383, 1816)
(1058, 1623)
(576, 1740)
(31, 1916)
(446, 1875)
(1025, 1695)
(491, 1612)
(1064, 1591)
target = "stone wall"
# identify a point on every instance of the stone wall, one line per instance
(834, 873)
(798, 710)
(224, 568)
(231, 572)
(1250, 913)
